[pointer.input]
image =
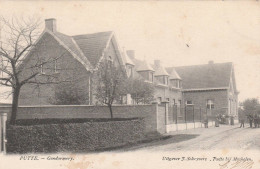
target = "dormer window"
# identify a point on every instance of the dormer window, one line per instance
(176, 83)
(147, 75)
(163, 80)
(146, 71)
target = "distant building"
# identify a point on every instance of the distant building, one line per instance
(211, 86)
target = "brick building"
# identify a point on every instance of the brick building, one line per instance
(167, 83)
(68, 57)
(212, 86)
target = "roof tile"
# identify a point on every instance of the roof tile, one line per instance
(205, 76)
(93, 45)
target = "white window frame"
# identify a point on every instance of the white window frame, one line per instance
(41, 67)
(211, 104)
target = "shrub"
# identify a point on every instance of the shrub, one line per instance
(73, 135)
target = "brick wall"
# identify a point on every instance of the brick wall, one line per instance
(161, 125)
(199, 99)
(165, 92)
(148, 112)
(68, 69)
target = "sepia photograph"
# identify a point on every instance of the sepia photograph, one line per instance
(129, 84)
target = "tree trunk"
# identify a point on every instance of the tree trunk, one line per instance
(15, 104)
(111, 112)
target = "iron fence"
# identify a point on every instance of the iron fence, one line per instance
(192, 113)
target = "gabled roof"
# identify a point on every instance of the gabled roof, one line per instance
(173, 74)
(207, 76)
(70, 43)
(160, 71)
(93, 45)
(143, 66)
(87, 49)
(126, 58)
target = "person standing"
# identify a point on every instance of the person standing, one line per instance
(217, 121)
(250, 118)
(206, 122)
(242, 121)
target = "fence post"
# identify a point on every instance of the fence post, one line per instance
(200, 117)
(3, 119)
(156, 115)
(185, 115)
(166, 103)
(176, 113)
(207, 113)
(193, 116)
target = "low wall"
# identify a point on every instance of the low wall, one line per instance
(187, 126)
(148, 112)
(73, 137)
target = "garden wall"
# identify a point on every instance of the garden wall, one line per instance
(73, 137)
(148, 112)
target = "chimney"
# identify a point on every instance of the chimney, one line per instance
(131, 54)
(50, 24)
(157, 63)
(211, 62)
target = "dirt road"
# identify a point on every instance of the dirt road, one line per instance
(223, 137)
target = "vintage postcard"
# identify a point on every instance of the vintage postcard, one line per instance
(129, 84)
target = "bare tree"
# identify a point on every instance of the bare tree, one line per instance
(110, 81)
(17, 41)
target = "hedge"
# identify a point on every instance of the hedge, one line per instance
(59, 135)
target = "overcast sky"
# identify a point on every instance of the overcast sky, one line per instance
(177, 33)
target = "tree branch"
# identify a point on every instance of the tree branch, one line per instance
(29, 78)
